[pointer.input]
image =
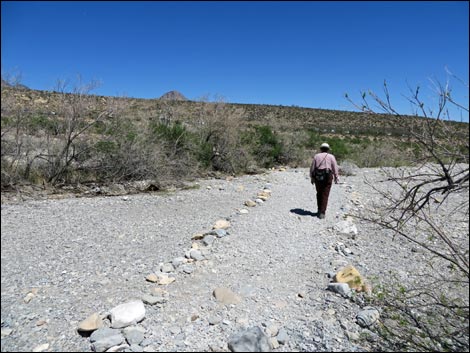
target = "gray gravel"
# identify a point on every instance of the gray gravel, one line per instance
(86, 255)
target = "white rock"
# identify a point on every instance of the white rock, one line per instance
(127, 314)
(41, 347)
(346, 227)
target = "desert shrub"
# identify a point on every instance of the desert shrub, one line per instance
(216, 131)
(106, 147)
(338, 147)
(204, 153)
(266, 146)
(427, 206)
(313, 139)
(348, 168)
(378, 154)
(100, 128)
(173, 133)
(41, 122)
(354, 140)
(294, 152)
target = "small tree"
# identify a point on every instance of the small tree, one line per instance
(218, 127)
(76, 114)
(418, 204)
(17, 148)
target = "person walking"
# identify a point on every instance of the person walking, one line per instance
(323, 171)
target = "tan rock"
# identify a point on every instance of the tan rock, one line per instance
(41, 322)
(152, 278)
(221, 224)
(91, 323)
(165, 281)
(250, 203)
(28, 297)
(351, 276)
(263, 195)
(241, 188)
(226, 296)
(197, 236)
(158, 291)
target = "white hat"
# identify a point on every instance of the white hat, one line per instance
(325, 145)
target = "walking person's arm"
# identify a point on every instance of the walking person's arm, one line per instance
(335, 169)
(312, 171)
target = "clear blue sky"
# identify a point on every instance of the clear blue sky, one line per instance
(284, 53)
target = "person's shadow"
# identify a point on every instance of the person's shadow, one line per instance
(302, 212)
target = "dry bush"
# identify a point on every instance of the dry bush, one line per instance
(429, 309)
(50, 146)
(218, 127)
(70, 145)
(379, 155)
(427, 205)
(17, 147)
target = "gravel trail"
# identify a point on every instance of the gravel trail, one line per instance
(84, 255)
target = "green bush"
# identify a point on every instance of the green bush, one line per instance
(204, 153)
(265, 145)
(106, 147)
(314, 139)
(6, 122)
(173, 133)
(100, 128)
(338, 148)
(41, 122)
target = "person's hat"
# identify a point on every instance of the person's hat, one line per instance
(325, 145)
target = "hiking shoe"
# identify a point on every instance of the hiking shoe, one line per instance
(321, 216)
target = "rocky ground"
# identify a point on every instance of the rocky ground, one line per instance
(64, 260)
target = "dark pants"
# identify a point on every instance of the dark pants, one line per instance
(323, 191)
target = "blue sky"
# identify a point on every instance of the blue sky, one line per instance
(284, 53)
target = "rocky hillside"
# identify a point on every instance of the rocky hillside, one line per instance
(282, 118)
(173, 96)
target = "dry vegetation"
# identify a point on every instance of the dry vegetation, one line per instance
(52, 138)
(427, 205)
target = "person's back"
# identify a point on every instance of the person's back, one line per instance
(323, 171)
(325, 160)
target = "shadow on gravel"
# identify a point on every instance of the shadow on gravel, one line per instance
(302, 212)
